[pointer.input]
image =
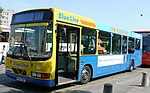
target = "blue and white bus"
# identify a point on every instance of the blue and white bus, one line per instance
(67, 47)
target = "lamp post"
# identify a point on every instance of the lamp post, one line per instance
(141, 21)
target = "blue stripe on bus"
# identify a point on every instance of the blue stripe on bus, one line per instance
(33, 80)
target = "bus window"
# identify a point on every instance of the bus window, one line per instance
(104, 41)
(137, 45)
(124, 45)
(131, 45)
(88, 41)
(116, 44)
(49, 41)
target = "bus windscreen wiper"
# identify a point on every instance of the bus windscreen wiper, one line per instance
(26, 48)
(23, 45)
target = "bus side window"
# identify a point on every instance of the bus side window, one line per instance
(104, 41)
(137, 47)
(124, 45)
(145, 48)
(116, 44)
(88, 41)
(49, 41)
(131, 45)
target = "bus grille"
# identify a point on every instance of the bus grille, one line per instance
(19, 71)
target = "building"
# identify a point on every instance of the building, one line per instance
(6, 19)
(5, 28)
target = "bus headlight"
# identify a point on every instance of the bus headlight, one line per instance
(33, 74)
(40, 75)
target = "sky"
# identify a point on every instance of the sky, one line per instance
(124, 14)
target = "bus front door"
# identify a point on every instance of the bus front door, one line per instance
(67, 54)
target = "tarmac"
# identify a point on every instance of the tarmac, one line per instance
(126, 82)
(139, 83)
(122, 85)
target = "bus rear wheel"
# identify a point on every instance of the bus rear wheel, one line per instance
(131, 66)
(86, 75)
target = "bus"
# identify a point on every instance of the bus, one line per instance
(4, 35)
(58, 47)
(146, 46)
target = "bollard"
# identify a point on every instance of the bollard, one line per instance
(108, 88)
(145, 79)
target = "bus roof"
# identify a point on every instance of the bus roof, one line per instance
(32, 10)
(141, 31)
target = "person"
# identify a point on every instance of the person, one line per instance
(3, 54)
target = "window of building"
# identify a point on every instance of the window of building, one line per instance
(4, 37)
(116, 44)
(88, 41)
(104, 42)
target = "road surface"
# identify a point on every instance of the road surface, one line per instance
(124, 82)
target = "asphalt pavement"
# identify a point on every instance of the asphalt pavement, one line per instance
(125, 82)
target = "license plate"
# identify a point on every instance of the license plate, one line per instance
(21, 79)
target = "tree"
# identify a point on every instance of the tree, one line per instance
(1, 10)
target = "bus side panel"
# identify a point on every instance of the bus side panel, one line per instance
(106, 70)
(105, 65)
(109, 64)
(137, 58)
(87, 60)
(125, 65)
(146, 58)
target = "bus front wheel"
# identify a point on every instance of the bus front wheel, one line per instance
(86, 75)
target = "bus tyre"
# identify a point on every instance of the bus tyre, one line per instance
(86, 75)
(131, 66)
